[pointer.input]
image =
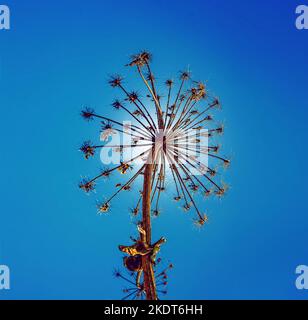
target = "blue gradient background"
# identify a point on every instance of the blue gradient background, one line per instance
(56, 58)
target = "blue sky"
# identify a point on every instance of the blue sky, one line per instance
(56, 58)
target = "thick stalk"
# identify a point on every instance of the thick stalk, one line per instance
(149, 278)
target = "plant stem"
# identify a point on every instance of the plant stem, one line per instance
(149, 278)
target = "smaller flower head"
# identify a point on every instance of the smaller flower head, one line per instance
(215, 149)
(140, 59)
(222, 191)
(127, 188)
(137, 113)
(169, 83)
(132, 97)
(200, 222)
(87, 149)
(226, 163)
(124, 168)
(186, 206)
(146, 56)
(87, 114)
(117, 273)
(184, 75)
(107, 131)
(134, 211)
(207, 193)
(117, 104)
(87, 185)
(212, 172)
(155, 213)
(103, 207)
(177, 198)
(220, 129)
(194, 187)
(115, 81)
(198, 93)
(216, 103)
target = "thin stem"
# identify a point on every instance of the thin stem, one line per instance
(124, 146)
(117, 167)
(138, 107)
(168, 102)
(158, 108)
(130, 181)
(141, 131)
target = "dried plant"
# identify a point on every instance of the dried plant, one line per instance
(173, 137)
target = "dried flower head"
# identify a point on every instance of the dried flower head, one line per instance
(103, 207)
(169, 83)
(201, 221)
(87, 114)
(117, 104)
(171, 132)
(87, 185)
(87, 149)
(115, 81)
